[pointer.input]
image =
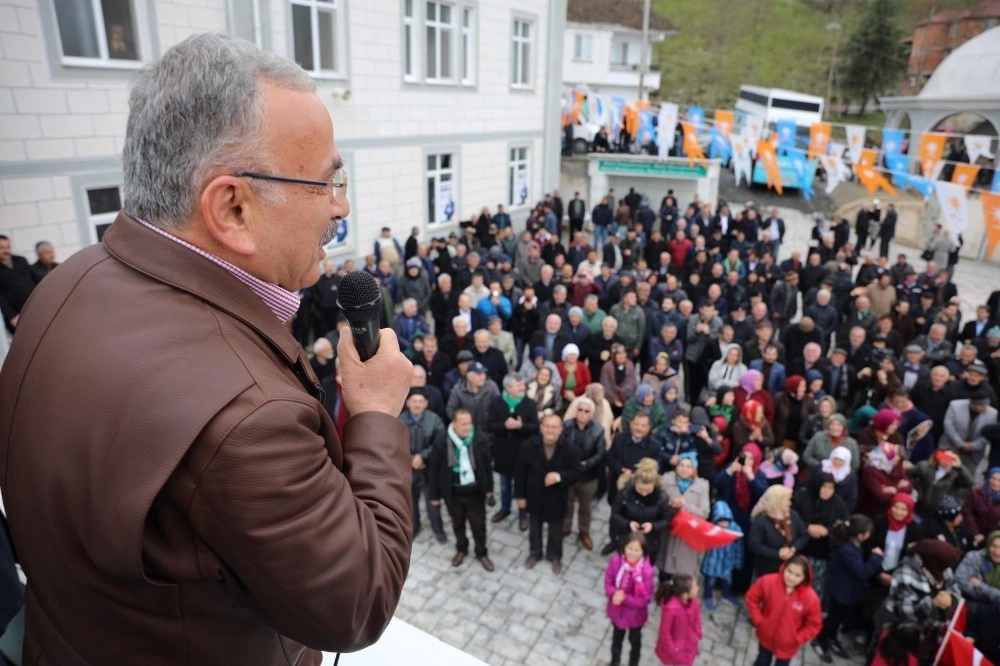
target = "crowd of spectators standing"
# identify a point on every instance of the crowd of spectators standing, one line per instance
(683, 357)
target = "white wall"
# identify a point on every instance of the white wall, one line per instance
(61, 132)
(598, 73)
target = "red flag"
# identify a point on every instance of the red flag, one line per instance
(701, 534)
(960, 651)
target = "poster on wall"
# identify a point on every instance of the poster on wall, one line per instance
(521, 186)
(445, 200)
(340, 238)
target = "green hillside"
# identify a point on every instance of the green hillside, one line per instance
(784, 43)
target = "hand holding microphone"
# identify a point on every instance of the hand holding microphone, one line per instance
(375, 374)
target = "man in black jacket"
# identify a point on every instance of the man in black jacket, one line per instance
(426, 433)
(577, 211)
(585, 435)
(460, 474)
(627, 449)
(546, 468)
(16, 283)
(887, 231)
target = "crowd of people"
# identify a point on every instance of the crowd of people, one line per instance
(827, 402)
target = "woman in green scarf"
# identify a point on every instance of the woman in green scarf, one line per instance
(978, 578)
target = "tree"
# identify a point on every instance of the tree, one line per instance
(876, 56)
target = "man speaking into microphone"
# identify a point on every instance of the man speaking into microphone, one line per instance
(176, 492)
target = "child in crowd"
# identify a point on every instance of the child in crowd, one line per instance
(846, 579)
(785, 610)
(720, 563)
(724, 406)
(628, 583)
(898, 645)
(680, 621)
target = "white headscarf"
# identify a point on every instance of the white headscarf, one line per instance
(840, 453)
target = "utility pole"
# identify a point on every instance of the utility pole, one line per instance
(644, 50)
(835, 28)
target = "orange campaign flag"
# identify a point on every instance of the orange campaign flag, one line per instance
(692, 148)
(868, 156)
(991, 219)
(819, 140)
(766, 152)
(724, 122)
(931, 152)
(965, 175)
(872, 179)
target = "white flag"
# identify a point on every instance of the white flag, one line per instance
(978, 146)
(741, 158)
(666, 125)
(855, 141)
(954, 206)
(753, 127)
(833, 165)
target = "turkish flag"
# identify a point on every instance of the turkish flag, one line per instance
(700, 534)
(959, 651)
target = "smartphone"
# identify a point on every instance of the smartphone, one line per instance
(742, 459)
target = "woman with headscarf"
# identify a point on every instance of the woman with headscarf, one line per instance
(792, 407)
(894, 532)
(838, 465)
(982, 510)
(752, 427)
(670, 399)
(777, 532)
(942, 475)
(820, 507)
(978, 577)
(574, 375)
(740, 485)
(644, 401)
(823, 443)
(817, 421)
(884, 427)
(659, 372)
(728, 370)
(752, 388)
(618, 378)
(923, 590)
(860, 419)
(882, 476)
(687, 491)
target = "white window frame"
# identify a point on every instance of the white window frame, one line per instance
(580, 53)
(442, 30)
(140, 20)
(515, 164)
(235, 6)
(435, 175)
(467, 59)
(522, 53)
(411, 54)
(337, 8)
(619, 54)
(95, 220)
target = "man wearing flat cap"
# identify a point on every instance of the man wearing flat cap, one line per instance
(963, 424)
(426, 433)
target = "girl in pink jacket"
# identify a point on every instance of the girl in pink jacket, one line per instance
(680, 621)
(628, 583)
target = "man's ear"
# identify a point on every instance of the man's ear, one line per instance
(228, 208)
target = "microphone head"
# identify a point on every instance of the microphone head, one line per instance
(359, 297)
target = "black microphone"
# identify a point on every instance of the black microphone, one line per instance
(360, 299)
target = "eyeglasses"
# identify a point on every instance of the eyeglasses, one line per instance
(338, 184)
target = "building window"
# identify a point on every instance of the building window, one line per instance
(990, 23)
(953, 29)
(409, 41)
(103, 204)
(521, 57)
(582, 46)
(468, 54)
(317, 27)
(518, 182)
(440, 35)
(245, 20)
(619, 54)
(98, 32)
(441, 195)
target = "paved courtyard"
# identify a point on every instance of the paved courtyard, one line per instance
(517, 616)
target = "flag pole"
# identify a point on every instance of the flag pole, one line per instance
(947, 632)
(644, 52)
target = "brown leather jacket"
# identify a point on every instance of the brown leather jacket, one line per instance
(176, 492)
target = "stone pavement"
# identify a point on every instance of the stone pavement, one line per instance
(517, 616)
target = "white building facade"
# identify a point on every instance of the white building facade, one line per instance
(440, 107)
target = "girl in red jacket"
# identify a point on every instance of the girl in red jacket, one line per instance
(785, 611)
(680, 621)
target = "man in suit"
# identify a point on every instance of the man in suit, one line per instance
(551, 337)
(772, 369)
(963, 425)
(627, 449)
(887, 231)
(913, 370)
(976, 329)
(230, 487)
(16, 283)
